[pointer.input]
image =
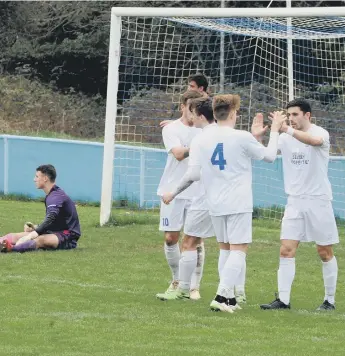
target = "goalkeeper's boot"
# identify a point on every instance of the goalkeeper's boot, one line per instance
(8, 237)
(170, 293)
(5, 246)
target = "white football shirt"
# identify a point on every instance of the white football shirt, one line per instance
(174, 135)
(225, 157)
(305, 167)
(199, 202)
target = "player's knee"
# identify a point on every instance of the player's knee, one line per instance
(325, 253)
(49, 241)
(190, 242)
(239, 247)
(171, 238)
(287, 251)
(39, 242)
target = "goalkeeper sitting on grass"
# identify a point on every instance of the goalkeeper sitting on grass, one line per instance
(60, 228)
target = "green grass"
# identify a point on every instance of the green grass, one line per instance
(99, 298)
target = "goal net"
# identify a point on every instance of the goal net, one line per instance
(267, 61)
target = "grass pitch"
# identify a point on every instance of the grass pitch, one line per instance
(100, 298)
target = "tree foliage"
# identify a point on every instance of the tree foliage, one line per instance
(27, 106)
(65, 45)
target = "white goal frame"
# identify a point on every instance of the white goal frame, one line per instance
(114, 62)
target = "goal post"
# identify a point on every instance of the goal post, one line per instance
(110, 118)
(152, 51)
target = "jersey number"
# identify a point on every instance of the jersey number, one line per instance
(217, 158)
(165, 222)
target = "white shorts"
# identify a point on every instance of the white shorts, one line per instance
(233, 229)
(198, 223)
(172, 216)
(309, 220)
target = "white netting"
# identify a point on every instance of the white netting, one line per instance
(300, 28)
(157, 56)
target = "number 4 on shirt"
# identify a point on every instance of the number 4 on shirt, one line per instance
(217, 158)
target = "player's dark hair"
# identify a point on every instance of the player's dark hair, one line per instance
(199, 79)
(190, 94)
(301, 103)
(48, 170)
(202, 106)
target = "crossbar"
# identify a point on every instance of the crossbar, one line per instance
(337, 11)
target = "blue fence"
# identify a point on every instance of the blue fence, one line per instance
(137, 172)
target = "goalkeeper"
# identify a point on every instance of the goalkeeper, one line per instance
(60, 228)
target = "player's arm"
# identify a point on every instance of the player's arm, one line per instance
(258, 129)
(278, 119)
(173, 144)
(166, 122)
(305, 137)
(29, 226)
(256, 150)
(270, 152)
(180, 153)
(193, 174)
(53, 208)
(49, 219)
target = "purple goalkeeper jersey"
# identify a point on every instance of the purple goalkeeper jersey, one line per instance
(61, 213)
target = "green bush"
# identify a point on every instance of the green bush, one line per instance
(27, 106)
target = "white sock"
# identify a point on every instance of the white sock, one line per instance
(172, 254)
(223, 256)
(230, 273)
(198, 271)
(239, 287)
(330, 275)
(286, 275)
(188, 263)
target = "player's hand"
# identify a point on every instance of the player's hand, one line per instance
(33, 235)
(167, 198)
(28, 227)
(258, 128)
(284, 127)
(278, 118)
(165, 123)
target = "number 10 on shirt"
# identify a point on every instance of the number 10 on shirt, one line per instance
(217, 158)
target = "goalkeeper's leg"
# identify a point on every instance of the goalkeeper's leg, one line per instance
(14, 237)
(61, 240)
(8, 241)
